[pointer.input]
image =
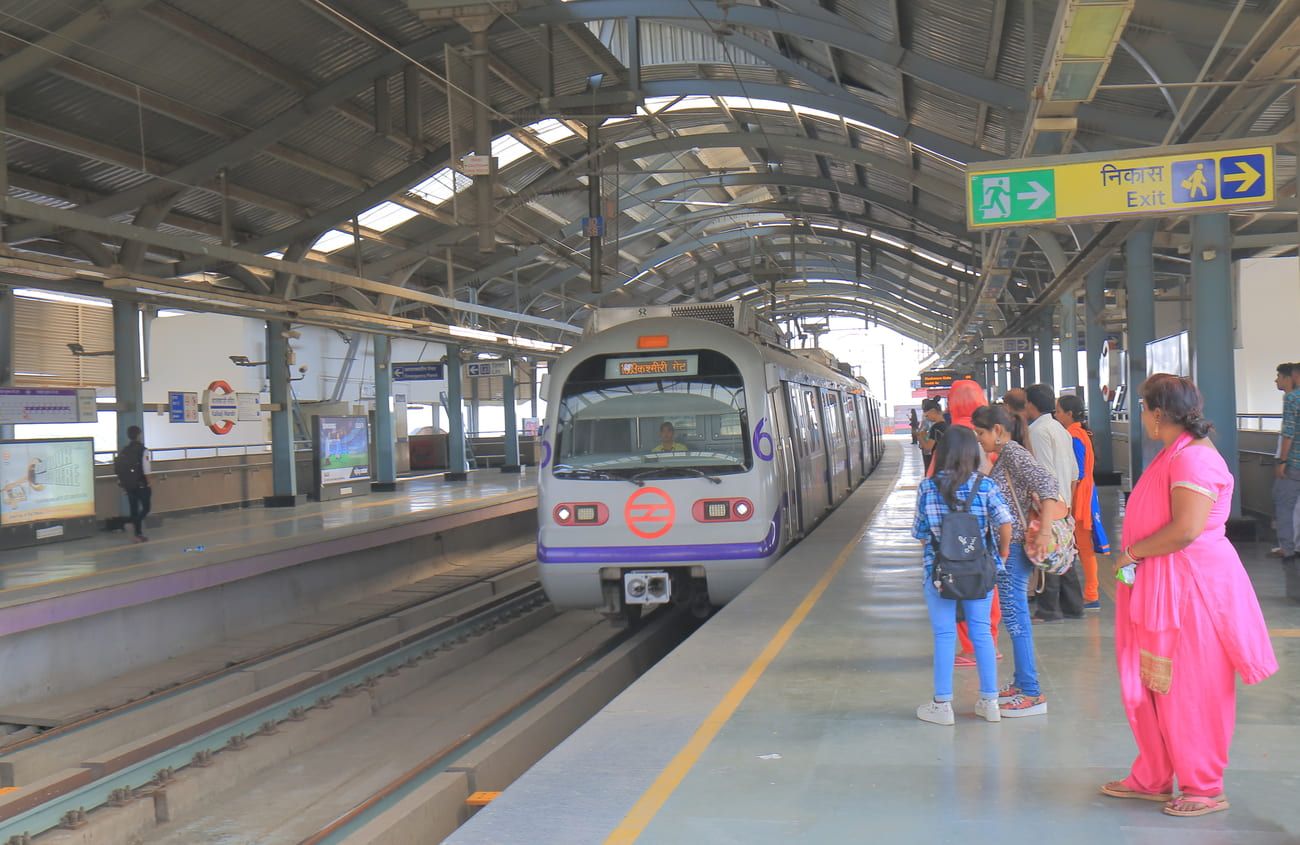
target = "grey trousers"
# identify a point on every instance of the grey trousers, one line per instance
(1286, 496)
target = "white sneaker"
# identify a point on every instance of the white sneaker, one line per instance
(936, 712)
(988, 710)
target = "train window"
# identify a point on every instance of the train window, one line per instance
(648, 423)
(813, 416)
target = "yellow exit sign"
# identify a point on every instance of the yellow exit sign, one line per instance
(1190, 179)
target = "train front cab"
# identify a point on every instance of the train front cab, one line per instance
(627, 502)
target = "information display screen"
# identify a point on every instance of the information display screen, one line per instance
(938, 378)
(343, 449)
(664, 365)
(46, 480)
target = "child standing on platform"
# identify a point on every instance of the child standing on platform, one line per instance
(957, 483)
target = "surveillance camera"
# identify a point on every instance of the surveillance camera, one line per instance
(303, 369)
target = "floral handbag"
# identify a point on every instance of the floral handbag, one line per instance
(1061, 552)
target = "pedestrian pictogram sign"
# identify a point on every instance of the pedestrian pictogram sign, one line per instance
(1141, 183)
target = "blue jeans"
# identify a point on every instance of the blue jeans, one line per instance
(1013, 595)
(943, 620)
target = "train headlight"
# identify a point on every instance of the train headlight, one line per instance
(723, 510)
(581, 513)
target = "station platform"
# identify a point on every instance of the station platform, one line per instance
(45, 585)
(790, 717)
(79, 613)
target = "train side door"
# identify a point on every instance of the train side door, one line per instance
(798, 462)
(786, 464)
(853, 436)
(837, 454)
(818, 488)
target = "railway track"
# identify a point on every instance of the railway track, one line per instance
(146, 789)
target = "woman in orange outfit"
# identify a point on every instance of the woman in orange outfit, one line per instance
(1070, 413)
(963, 398)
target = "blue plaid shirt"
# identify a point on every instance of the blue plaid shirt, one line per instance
(1291, 428)
(931, 508)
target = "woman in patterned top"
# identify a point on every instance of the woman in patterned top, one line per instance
(956, 482)
(1020, 478)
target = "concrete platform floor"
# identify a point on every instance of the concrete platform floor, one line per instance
(823, 746)
(47, 571)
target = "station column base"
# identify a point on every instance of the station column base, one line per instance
(455, 476)
(383, 486)
(512, 469)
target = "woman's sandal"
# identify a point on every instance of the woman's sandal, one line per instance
(1117, 789)
(1204, 805)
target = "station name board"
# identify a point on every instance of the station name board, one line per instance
(675, 365)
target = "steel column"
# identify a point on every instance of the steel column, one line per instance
(457, 469)
(284, 467)
(512, 421)
(593, 203)
(1213, 318)
(1069, 341)
(1046, 342)
(1098, 408)
(1140, 263)
(127, 384)
(1027, 368)
(6, 348)
(483, 142)
(385, 475)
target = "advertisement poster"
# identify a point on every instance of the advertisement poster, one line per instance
(46, 480)
(344, 449)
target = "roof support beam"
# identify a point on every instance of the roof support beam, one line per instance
(34, 58)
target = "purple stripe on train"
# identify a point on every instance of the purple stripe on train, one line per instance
(666, 554)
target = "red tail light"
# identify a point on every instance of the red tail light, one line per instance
(722, 510)
(580, 513)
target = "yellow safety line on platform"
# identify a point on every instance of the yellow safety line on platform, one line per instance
(649, 804)
(235, 548)
(1285, 633)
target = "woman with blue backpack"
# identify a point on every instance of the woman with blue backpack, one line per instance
(966, 527)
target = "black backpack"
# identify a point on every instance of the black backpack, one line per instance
(964, 566)
(126, 466)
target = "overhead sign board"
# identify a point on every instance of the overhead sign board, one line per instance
(485, 369)
(47, 405)
(1007, 345)
(248, 407)
(937, 378)
(182, 407)
(667, 365)
(419, 371)
(1190, 179)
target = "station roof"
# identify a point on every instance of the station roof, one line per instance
(816, 146)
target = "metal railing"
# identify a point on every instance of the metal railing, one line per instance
(1259, 422)
(182, 453)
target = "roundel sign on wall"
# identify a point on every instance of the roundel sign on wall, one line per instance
(220, 407)
(649, 513)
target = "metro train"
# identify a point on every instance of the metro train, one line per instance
(685, 449)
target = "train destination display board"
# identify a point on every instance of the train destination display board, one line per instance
(46, 480)
(1190, 179)
(663, 365)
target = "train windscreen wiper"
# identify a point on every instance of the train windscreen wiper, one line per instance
(649, 473)
(564, 471)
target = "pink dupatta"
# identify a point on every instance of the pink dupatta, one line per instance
(1208, 571)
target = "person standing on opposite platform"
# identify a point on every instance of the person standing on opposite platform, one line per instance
(1019, 478)
(1089, 533)
(1053, 447)
(129, 468)
(957, 483)
(1187, 621)
(914, 423)
(1286, 482)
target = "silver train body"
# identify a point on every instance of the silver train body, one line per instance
(764, 443)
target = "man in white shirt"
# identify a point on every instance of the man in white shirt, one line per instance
(1054, 449)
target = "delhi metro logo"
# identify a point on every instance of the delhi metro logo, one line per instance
(649, 513)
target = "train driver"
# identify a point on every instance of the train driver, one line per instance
(668, 440)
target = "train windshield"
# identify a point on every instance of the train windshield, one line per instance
(653, 416)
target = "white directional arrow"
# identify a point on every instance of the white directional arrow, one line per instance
(1039, 195)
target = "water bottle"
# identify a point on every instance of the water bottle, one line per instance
(1127, 574)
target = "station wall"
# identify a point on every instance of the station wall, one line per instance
(1268, 321)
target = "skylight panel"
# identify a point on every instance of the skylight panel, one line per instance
(441, 186)
(385, 216)
(693, 102)
(508, 150)
(551, 131)
(332, 240)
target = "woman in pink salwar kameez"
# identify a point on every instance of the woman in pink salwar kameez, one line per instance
(1191, 621)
